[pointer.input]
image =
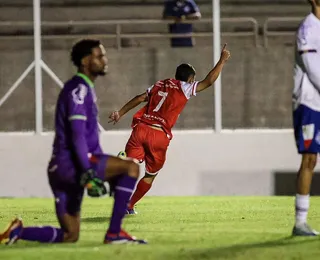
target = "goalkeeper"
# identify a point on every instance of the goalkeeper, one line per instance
(77, 161)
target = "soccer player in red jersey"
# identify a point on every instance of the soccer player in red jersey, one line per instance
(152, 124)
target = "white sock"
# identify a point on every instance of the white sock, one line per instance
(302, 207)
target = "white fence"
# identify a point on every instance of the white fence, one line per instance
(198, 163)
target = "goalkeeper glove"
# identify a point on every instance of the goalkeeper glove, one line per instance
(95, 186)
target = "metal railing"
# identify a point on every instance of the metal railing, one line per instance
(267, 32)
(38, 64)
(118, 35)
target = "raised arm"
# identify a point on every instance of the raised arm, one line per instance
(215, 72)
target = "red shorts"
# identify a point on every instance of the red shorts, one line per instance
(149, 145)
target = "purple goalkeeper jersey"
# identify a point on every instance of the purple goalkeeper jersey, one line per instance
(76, 124)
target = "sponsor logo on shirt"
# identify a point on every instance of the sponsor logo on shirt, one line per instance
(166, 84)
(152, 117)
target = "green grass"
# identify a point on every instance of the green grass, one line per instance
(175, 227)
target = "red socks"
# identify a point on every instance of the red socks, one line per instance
(142, 189)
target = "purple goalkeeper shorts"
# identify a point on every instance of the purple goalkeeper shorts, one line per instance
(64, 183)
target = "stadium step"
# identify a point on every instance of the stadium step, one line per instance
(105, 12)
(109, 12)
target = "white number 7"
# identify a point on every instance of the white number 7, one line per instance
(164, 96)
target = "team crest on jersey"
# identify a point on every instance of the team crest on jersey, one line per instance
(79, 93)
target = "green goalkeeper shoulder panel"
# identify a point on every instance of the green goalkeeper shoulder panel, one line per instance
(78, 117)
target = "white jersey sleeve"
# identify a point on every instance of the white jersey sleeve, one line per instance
(307, 38)
(189, 89)
(308, 47)
(149, 90)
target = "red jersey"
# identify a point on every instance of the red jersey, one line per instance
(166, 100)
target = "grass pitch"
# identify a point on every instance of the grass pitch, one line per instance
(175, 227)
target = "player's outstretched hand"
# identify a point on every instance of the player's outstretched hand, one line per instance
(225, 53)
(114, 116)
(94, 185)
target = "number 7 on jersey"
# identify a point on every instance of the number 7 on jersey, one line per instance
(164, 96)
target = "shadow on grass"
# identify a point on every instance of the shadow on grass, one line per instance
(227, 252)
(232, 251)
(95, 219)
(25, 245)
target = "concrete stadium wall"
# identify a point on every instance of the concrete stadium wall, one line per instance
(198, 163)
(256, 92)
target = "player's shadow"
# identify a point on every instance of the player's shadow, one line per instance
(99, 219)
(32, 245)
(95, 219)
(230, 252)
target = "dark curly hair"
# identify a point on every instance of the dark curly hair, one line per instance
(82, 49)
